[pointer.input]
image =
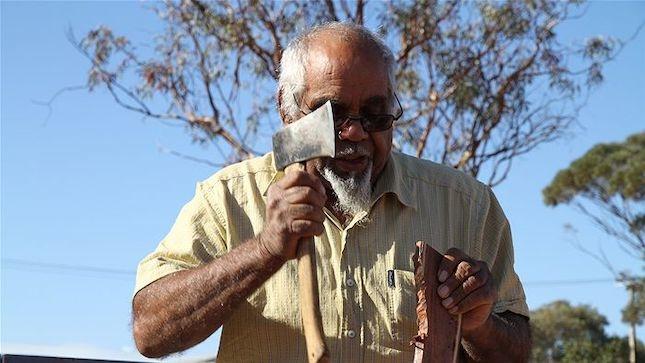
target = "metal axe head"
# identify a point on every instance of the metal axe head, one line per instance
(310, 137)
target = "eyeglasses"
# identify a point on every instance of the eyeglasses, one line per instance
(369, 122)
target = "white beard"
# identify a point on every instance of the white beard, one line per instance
(353, 192)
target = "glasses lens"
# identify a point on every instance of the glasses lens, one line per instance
(373, 123)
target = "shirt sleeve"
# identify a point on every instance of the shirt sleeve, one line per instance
(198, 236)
(498, 249)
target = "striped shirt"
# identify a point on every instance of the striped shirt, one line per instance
(365, 269)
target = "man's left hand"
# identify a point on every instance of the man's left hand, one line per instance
(466, 288)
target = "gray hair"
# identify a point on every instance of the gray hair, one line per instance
(291, 81)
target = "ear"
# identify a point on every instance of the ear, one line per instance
(285, 119)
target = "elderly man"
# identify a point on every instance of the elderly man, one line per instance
(229, 259)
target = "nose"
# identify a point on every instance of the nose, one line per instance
(353, 131)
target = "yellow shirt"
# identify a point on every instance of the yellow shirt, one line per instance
(365, 318)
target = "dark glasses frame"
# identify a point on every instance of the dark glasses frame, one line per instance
(369, 122)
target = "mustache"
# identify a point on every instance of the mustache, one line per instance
(352, 150)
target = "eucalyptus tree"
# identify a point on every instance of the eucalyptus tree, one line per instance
(482, 82)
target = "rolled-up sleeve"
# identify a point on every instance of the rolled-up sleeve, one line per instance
(197, 236)
(498, 249)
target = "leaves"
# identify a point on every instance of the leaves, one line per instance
(606, 184)
(481, 82)
(566, 333)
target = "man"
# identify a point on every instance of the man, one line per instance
(229, 259)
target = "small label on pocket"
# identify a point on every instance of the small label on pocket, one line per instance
(390, 278)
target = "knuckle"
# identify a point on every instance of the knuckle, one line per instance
(464, 269)
(298, 227)
(471, 284)
(307, 209)
(289, 179)
(298, 211)
(273, 194)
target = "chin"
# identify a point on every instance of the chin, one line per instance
(345, 168)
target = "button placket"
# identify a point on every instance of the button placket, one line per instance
(354, 239)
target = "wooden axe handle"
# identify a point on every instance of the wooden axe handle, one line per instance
(308, 291)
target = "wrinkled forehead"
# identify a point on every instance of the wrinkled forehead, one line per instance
(343, 64)
(346, 53)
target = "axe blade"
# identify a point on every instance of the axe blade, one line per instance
(310, 137)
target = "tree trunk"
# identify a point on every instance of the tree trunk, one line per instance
(632, 330)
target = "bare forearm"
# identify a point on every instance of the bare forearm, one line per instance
(184, 308)
(504, 337)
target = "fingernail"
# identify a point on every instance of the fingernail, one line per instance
(447, 302)
(443, 275)
(443, 291)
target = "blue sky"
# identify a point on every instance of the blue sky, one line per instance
(88, 185)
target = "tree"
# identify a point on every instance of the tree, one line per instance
(558, 322)
(481, 82)
(566, 333)
(607, 184)
(613, 350)
(634, 312)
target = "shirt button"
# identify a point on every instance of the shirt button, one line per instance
(351, 333)
(350, 282)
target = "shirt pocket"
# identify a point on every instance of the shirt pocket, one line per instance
(402, 302)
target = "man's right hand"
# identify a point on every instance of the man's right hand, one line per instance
(294, 210)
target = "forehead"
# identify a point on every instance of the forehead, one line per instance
(346, 70)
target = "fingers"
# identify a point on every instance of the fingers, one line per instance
(306, 212)
(484, 296)
(466, 283)
(449, 263)
(294, 210)
(301, 178)
(463, 271)
(469, 286)
(304, 227)
(305, 194)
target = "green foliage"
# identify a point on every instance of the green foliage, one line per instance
(608, 185)
(605, 171)
(612, 350)
(558, 322)
(576, 334)
(634, 312)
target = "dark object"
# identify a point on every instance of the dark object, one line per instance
(438, 338)
(11, 358)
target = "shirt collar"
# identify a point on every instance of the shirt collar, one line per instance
(393, 180)
(277, 175)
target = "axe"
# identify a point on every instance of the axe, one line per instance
(310, 137)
